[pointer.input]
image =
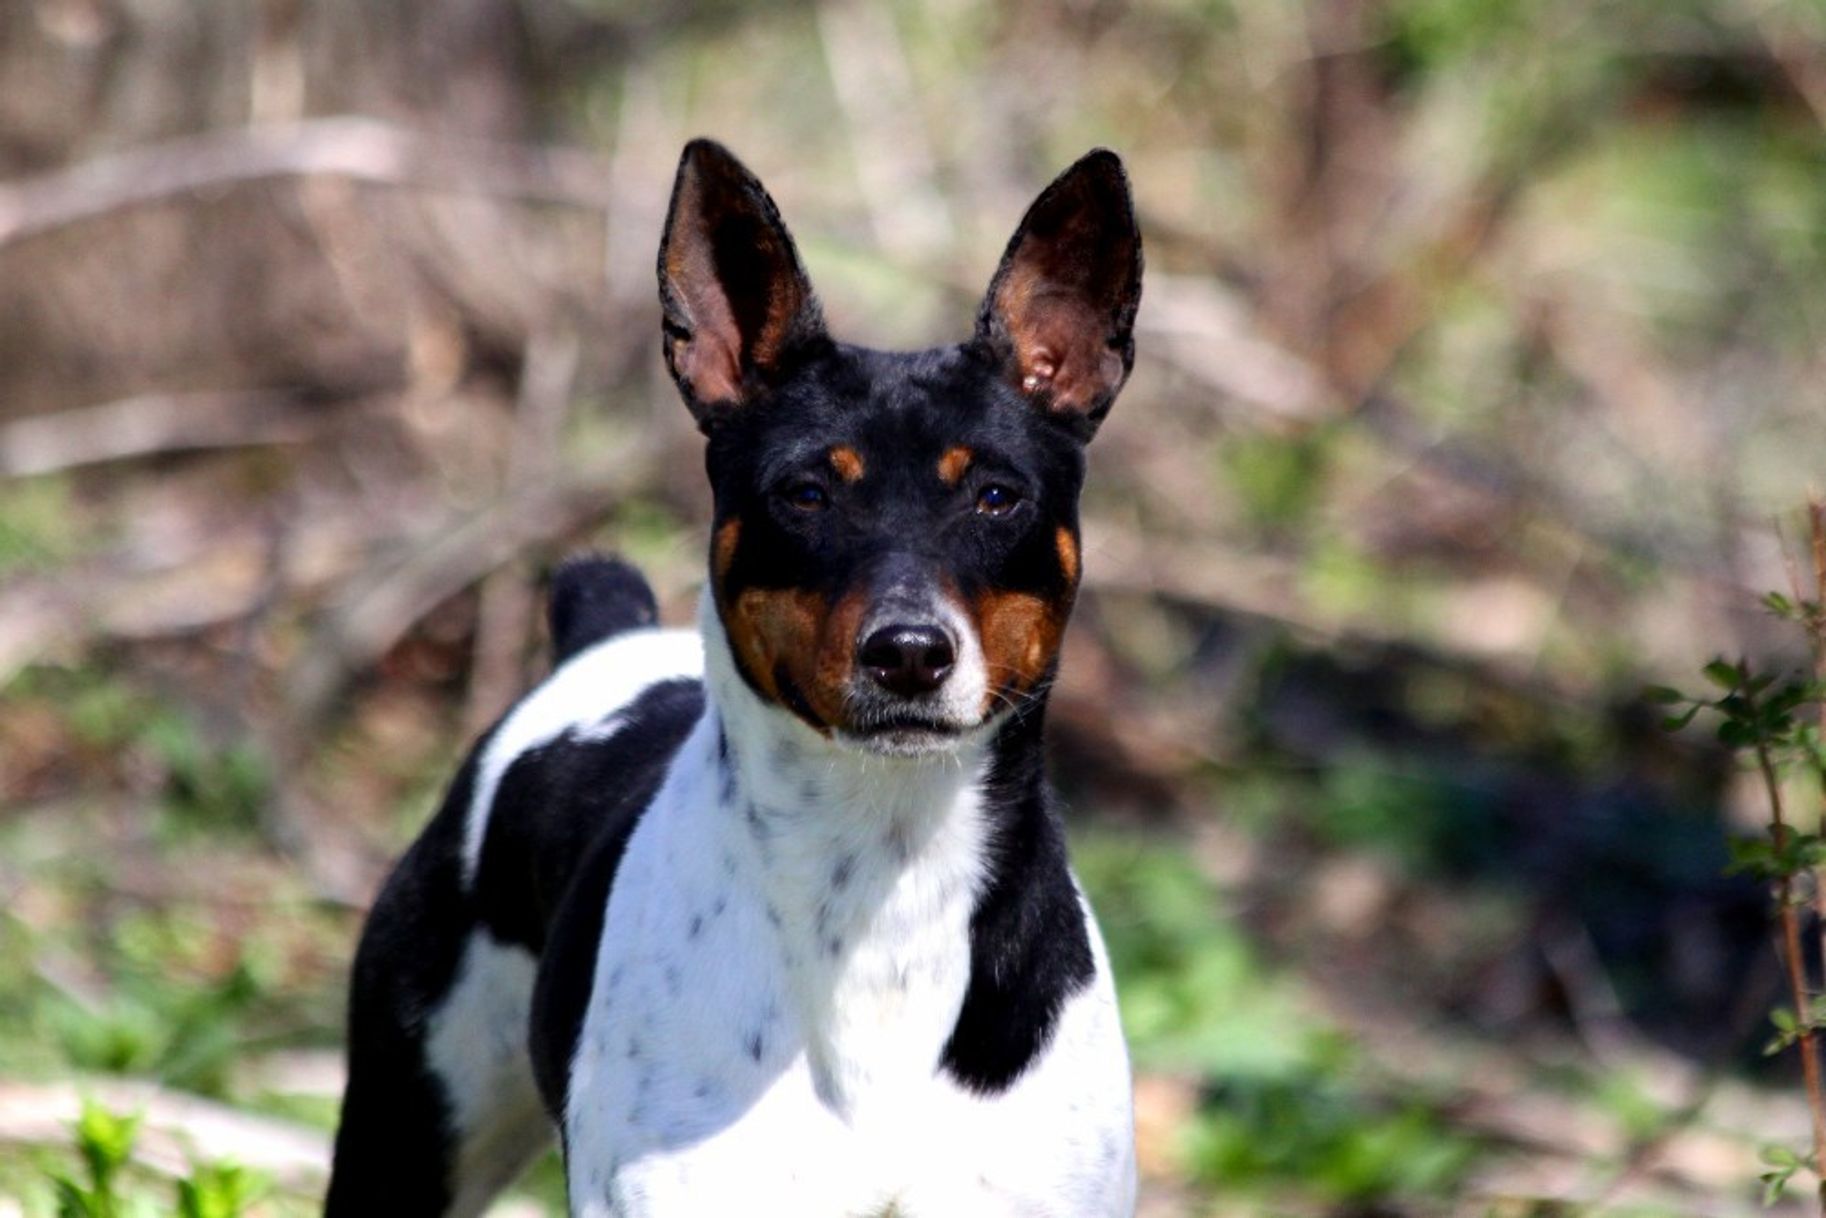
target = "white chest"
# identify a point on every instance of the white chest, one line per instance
(775, 986)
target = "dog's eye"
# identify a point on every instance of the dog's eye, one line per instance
(996, 500)
(807, 496)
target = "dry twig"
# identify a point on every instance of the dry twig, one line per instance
(147, 425)
(505, 612)
(359, 149)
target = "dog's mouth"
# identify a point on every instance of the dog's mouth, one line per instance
(905, 733)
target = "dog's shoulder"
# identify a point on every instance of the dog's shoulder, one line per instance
(576, 762)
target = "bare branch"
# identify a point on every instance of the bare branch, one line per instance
(379, 606)
(359, 149)
(149, 424)
(879, 104)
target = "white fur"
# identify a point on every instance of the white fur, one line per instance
(588, 692)
(774, 990)
(477, 1045)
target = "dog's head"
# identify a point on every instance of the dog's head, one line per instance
(895, 550)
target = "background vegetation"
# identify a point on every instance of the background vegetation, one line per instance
(1482, 344)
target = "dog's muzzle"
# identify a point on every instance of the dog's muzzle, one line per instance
(909, 661)
(918, 677)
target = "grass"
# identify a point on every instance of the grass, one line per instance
(1284, 1104)
(151, 936)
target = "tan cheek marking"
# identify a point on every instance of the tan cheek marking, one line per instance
(1067, 546)
(1020, 633)
(952, 465)
(722, 555)
(801, 635)
(825, 683)
(767, 628)
(847, 462)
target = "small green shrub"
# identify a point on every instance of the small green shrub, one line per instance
(104, 1145)
(1286, 1105)
(1777, 722)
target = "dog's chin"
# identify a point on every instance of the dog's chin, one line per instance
(906, 737)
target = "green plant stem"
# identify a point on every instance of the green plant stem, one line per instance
(1797, 976)
(1815, 625)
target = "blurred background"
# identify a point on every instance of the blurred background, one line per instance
(1481, 369)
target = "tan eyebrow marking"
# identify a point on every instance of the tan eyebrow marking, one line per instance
(1068, 553)
(847, 462)
(727, 538)
(952, 465)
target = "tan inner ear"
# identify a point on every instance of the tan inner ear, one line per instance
(709, 359)
(739, 316)
(1060, 349)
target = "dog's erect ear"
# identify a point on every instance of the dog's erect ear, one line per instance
(1060, 314)
(737, 305)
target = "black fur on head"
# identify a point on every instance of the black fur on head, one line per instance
(852, 483)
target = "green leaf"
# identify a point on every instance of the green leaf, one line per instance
(219, 1190)
(1774, 1184)
(1737, 734)
(1663, 695)
(105, 1142)
(1783, 1163)
(73, 1201)
(1724, 674)
(1753, 856)
(1674, 723)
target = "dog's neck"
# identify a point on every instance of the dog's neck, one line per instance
(869, 865)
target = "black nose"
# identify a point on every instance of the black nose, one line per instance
(908, 660)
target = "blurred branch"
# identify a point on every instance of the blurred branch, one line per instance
(383, 602)
(210, 576)
(887, 139)
(1795, 50)
(217, 575)
(508, 603)
(150, 424)
(360, 149)
(1205, 333)
(175, 1128)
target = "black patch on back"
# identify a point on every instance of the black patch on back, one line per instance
(556, 800)
(1029, 949)
(562, 819)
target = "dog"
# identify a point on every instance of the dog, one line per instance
(775, 916)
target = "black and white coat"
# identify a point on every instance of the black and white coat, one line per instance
(788, 977)
(775, 915)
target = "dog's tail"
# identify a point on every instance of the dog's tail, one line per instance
(594, 596)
